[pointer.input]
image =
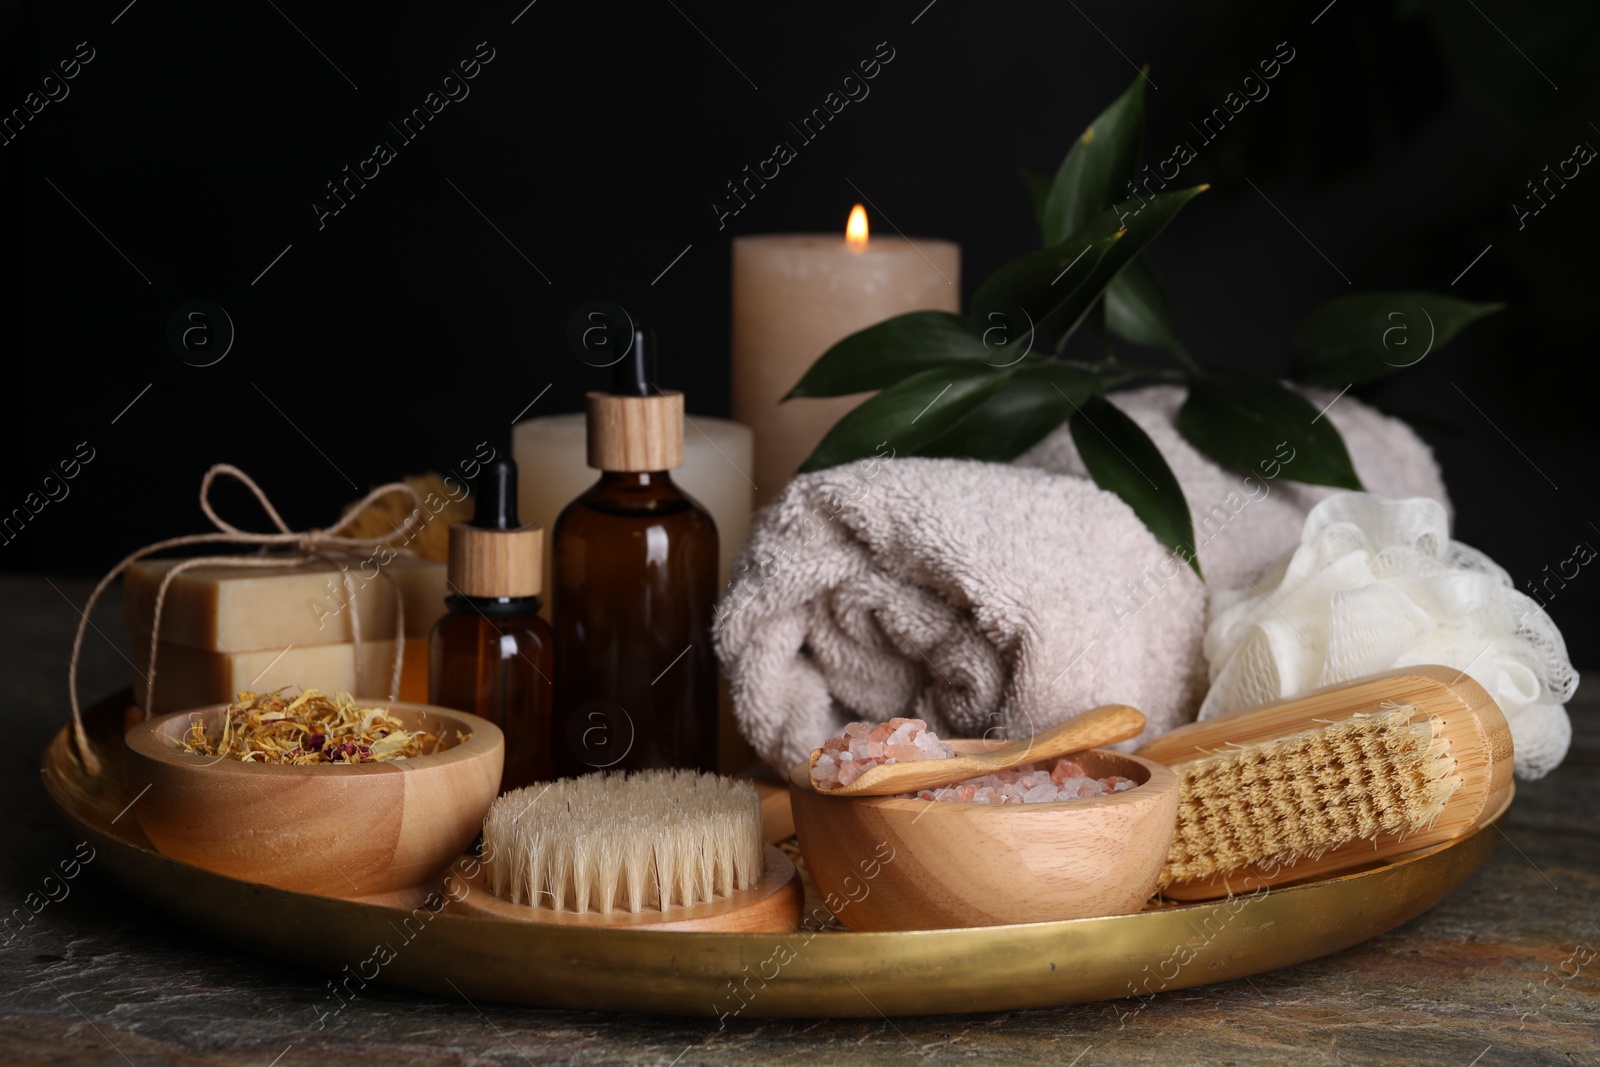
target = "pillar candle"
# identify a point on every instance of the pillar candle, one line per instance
(794, 296)
(553, 469)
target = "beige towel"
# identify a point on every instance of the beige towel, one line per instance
(999, 599)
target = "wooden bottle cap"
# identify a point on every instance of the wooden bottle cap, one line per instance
(496, 563)
(636, 433)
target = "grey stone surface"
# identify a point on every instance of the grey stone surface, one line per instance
(1505, 971)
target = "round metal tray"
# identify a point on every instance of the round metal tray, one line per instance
(751, 975)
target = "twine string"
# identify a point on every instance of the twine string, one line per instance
(305, 546)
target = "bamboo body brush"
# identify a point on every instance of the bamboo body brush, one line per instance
(1333, 780)
(661, 850)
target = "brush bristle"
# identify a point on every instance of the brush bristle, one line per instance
(1297, 797)
(615, 842)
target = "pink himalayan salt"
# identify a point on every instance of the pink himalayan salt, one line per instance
(865, 745)
(1028, 784)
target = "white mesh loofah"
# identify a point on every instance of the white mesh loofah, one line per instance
(1378, 584)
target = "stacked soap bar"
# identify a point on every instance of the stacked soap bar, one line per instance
(226, 628)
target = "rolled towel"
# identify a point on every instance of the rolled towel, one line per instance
(995, 599)
(975, 596)
(1244, 523)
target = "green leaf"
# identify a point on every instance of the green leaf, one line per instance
(1142, 218)
(1122, 459)
(1356, 339)
(1038, 191)
(880, 355)
(1037, 398)
(1051, 283)
(908, 415)
(1137, 308)
(1097, 166)
(1095, 320)
(1057, 286)
(1252, 423)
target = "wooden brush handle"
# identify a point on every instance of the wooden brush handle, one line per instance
(1480, 744)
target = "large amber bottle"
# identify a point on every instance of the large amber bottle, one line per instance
(635, 569)
(492, 654)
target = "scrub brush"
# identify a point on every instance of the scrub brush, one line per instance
(1334, 780)
(676, 849)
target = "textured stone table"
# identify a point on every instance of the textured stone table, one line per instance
(1506, 971)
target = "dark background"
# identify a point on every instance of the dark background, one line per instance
(408, 328)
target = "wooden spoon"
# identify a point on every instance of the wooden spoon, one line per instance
(1100, 726)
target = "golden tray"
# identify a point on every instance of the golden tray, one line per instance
(822, 974)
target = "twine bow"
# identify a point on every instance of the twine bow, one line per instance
(303, 547)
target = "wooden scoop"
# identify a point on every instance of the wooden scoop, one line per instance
(1100, 726)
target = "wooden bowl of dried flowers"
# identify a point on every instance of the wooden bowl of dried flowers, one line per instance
(316, 795)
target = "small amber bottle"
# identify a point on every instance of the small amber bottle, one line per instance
(491, 654)
(635, 581)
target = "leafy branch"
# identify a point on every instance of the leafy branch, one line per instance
(992, 383)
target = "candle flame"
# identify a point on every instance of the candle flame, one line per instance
(855, 231)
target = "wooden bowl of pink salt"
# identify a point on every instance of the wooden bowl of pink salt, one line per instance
(987, 855)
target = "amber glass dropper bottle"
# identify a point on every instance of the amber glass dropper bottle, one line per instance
(491, 654)
(635, 580)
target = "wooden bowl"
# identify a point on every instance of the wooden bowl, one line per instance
(888, 863)
(336, 830)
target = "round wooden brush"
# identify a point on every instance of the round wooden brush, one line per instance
(679, 850)
(1333, 780)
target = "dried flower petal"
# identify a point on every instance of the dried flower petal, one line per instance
(268, 728)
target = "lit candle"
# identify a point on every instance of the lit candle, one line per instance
(794, 296)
